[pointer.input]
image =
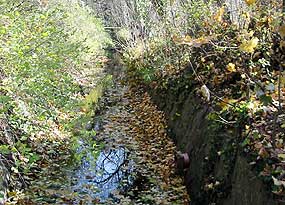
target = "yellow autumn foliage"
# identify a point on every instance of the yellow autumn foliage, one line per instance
(219, 15)
(231, 67)
(188, 40)
(250, 2)
(249, 45)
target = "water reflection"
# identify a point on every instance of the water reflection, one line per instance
(110, 172)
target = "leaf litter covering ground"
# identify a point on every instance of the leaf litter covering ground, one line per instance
(129, 120)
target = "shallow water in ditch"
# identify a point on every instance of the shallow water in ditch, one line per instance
(99, 178)
(95, 179)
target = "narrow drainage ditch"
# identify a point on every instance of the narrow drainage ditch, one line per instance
(96, 177)
(109, 175)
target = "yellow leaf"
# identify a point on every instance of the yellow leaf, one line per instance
(195, 42)
(231, 67)
(250, 2)
(249, 45)
(187, 38)
(282, 31)
(219, 16)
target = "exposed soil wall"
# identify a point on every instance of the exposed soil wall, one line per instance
(219, 173)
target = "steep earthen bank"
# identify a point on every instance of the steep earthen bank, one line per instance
(219, 171)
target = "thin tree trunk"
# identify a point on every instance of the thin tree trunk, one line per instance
(235, 8)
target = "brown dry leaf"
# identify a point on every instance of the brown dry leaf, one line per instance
(177, 40)
(263, 153)
(217, 80)
(282, 44)
(226, 101)
(281, 31)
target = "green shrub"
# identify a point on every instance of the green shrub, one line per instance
(49, 56)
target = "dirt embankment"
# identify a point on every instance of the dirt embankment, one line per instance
(219, 172)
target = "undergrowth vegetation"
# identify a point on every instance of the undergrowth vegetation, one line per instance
(50, 60)
(236, 56)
